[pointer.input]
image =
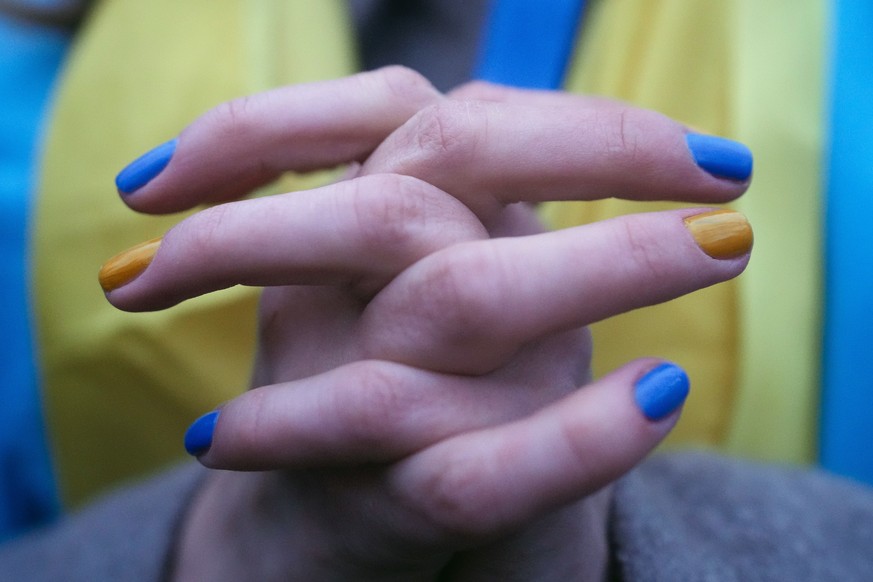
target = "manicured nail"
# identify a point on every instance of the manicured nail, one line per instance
(661, 391)
(721, 234)
(198, 437)
(142, 170)
(127, 266)
(720, 157)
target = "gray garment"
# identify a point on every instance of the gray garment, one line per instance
(699, 517)
(126, 536)
(675, 518)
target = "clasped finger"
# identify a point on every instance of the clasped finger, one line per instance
(360, 232)
(468, 308)
(249, 142)
(560, 147)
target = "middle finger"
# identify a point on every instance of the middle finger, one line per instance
(489, 154)
(468, 308)
(359, 232)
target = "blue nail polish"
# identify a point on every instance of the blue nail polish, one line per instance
(720, 157)
(661, 391)
(143, 169)
(198, 438)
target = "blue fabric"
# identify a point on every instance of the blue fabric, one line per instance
(847, 396)
(29, 60)
(529, 43)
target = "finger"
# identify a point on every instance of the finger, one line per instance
(489, 482)
(485, 91)
(246, 143)
(468, 308)
(360, 232)
(489, 154)
(365, 412)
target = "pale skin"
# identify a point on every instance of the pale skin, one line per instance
(423, 406)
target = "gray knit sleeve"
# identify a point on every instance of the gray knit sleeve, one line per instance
(701, 517)
(126, 535)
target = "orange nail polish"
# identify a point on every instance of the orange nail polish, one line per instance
(721, 234)
(128, 265)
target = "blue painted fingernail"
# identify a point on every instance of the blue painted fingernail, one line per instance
(720, 157)
(661, 391)
(198, 438)
(142, 170)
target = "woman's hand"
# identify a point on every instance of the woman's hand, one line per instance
(418, 377)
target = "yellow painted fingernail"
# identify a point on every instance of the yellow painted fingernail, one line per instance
(127, 266)
(722, 234)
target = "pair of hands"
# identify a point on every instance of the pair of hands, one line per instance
(418, 411)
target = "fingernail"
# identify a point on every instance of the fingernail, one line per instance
(720, 157)
(198, 437)
(142, 170)
(661, 391)
(721, 234)
(127, 266)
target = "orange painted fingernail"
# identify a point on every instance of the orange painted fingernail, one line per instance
(127, 266)
(721, 234)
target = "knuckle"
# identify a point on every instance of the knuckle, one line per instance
(620, 131)
(232, 117)
(235, 122)
(389, 209)
(406, 86)
(443, 134)
(250, 428)
(581, 459)
(458, 294)
(595, 452)
(204, 231)
(455, 504)
(380, 404)
(478, 90)
(398, 211)
(647, 258)
(633, 137)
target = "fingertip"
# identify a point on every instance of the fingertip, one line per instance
(661, 391)
(145, 168)
(198, 437)
(721, 234)
(127, 265)
(721, 157)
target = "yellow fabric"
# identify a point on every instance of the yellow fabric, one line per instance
(752, 71)
(120, 388)
(779, 110)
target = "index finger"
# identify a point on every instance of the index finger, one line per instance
(545, 147)
(246, 143)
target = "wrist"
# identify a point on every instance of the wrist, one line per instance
(272, 525)
(236, 529)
